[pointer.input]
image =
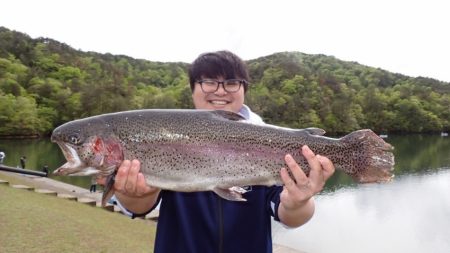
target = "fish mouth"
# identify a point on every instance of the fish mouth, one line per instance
(74, 166)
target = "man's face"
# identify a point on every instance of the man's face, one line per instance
(218, 100)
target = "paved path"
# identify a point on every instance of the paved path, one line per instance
(50, 184)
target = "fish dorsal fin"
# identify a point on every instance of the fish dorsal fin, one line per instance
(229, 115)
(315, 131)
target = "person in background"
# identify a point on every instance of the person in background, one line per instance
(45, 170)
(23, 160)
(2, 157)
(202, 221)
(93, 187)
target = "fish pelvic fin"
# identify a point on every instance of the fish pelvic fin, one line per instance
(108, 192)
(376, 164)
(233, 193)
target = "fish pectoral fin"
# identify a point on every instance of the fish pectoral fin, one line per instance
(108, 191)
(233, 193)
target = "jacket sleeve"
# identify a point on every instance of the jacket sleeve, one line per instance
(273, 200)
(128, 213)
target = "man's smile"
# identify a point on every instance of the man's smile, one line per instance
(218, 102)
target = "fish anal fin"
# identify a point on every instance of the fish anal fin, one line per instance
(238, 189)
(229, 115)
(233, 193)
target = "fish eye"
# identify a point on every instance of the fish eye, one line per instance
(75, 138)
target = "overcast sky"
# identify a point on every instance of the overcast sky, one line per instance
(411, 37)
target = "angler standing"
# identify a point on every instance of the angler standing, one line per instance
(2, 157)
(23, 161)
(203, 221)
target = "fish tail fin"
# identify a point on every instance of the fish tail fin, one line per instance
(377, 161)
(108, 192)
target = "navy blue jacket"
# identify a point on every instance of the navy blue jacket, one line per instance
(203, 222)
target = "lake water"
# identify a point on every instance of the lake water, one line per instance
(410, 214)
(38, 153)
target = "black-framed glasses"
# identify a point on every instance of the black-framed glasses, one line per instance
(212, 85)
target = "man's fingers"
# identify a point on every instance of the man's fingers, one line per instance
(327, 166)
(295, 169)
(121, 176)
(141, 185)
(130, 185)
(287, 180)
(315, 174)
(294, 193)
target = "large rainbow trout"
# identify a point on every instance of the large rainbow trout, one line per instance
(202, 150)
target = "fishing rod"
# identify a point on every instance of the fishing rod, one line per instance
(23, 171)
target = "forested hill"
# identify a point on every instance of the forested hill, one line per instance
(44, 83)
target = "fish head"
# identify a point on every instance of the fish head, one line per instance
(89, 146)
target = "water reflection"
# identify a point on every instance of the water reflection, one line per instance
(414, 154)
(410, 215)
(418, 153)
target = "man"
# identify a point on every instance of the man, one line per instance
(202, 221)
(23, 160)
(45, 170)
(2, 156)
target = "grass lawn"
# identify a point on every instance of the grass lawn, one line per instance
(33, 222)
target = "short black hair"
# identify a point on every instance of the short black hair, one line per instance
(218, 64)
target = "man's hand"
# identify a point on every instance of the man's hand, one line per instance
(131, 189)
(129, 181)
(297, 205)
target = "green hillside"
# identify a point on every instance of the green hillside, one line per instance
(44, 83)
